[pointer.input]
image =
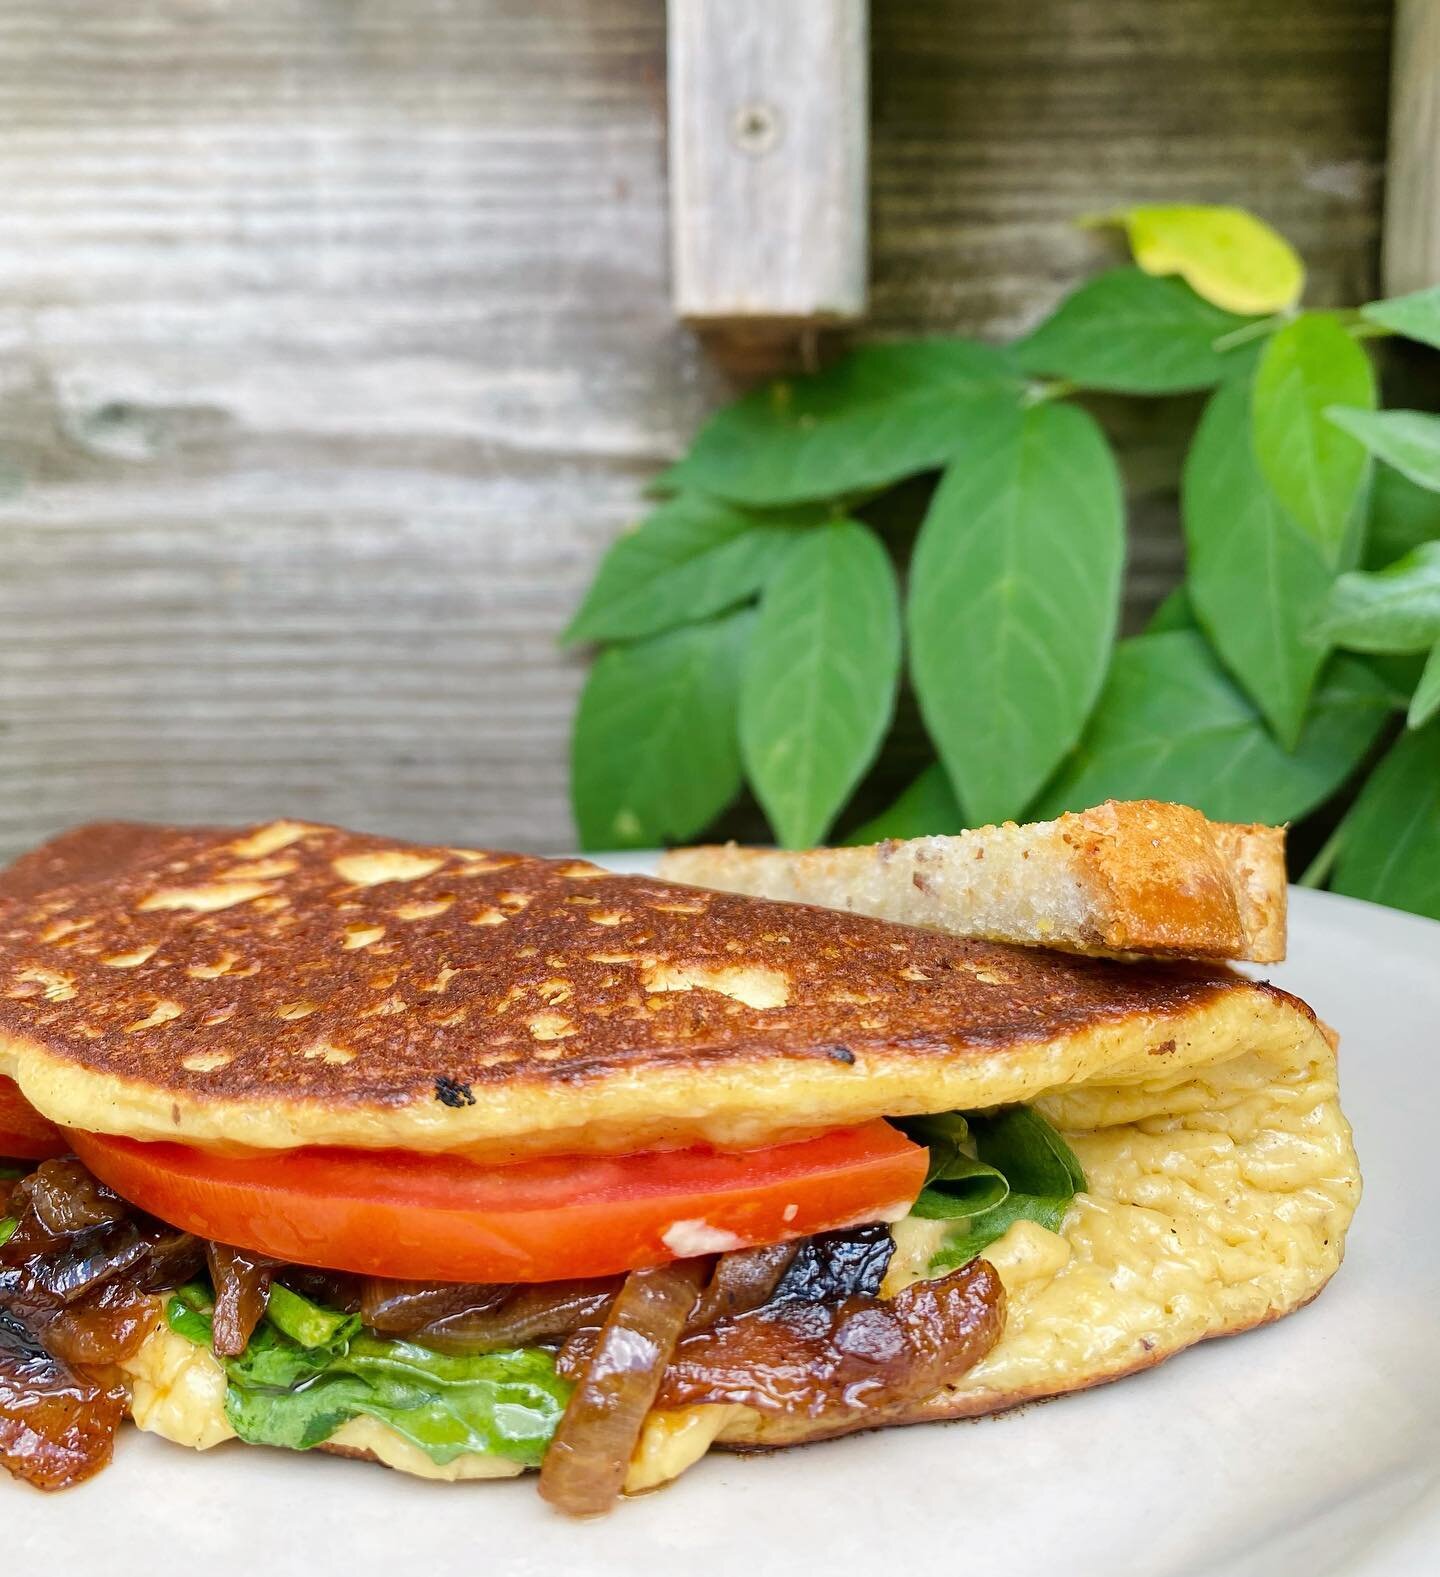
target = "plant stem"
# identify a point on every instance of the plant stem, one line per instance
(1318, 871)
(1049, 389)
(1249, 331)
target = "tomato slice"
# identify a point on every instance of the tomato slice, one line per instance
(24, 1134)
(444, 1218)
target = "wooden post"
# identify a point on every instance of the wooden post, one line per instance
(769, 134)
(1412, 187)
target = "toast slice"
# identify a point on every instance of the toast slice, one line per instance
(1125, 877)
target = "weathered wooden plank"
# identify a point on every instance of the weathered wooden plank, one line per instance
(769, 118)
(1412, 186)
(336, 342)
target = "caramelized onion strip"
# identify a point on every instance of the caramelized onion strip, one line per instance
(585, 1465)
(242, 1294)
(742, 1280)
(818, 1360)
(480, 1319)
(57, 1427)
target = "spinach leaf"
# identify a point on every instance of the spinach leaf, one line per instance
(1170, 725)
(1014, 598)
(882, 413)
(1130, 332)
(1257, 581)
(957, 1183)
(962, 1185)
(927, 806)
(505, 1403)
(1317, 471)
(1029, 1150)
(820, 678)
(963, 1243)
(1040, 1172)
(8, 1227)
(654, 756)
(693, 557)
(283, 1393)
(295, 1419)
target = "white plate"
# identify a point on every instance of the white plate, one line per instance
(1309, 1447)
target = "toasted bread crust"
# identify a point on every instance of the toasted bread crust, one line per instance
(1124, 877)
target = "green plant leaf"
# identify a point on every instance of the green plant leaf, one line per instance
(1171, 725)
(1408, 440)
(1317, 471)
(820, 678)
(654, 755)
(884, 412)
(1176, 612)
(1402, 516)
(1396, 609)
(1226, 255)
(1042, 1172)
(1131, 333)
(1416, 316)
(1425, 702)
(926, 807)
(1014, 597)
(1257, 582)
(958, 1185)
(1390, 841)
(691, 558)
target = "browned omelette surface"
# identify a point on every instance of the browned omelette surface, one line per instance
(295, 984)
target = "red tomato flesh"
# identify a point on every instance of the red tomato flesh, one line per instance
(444, 1218)
(24, 1134)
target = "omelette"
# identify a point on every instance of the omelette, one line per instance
(472, 1163)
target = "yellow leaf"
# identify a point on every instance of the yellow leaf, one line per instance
(1226, 255)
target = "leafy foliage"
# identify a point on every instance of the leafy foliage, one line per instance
(883, 413)
(693, 557)
(1390, 610)
(1408, 440)
(1416, 316)
(1390, 844)
(1014, 597)
(655, 754)
(1257, 582)
(750, 624)
(923, 808)
(1316, 470)
(820, 678)
(1131, 333)
(1171, 725)
(1225, 255)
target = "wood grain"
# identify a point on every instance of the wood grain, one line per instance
(769, 174)
(1412, 188)
(337, 342)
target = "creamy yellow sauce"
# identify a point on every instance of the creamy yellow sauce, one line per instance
(1218, 1195)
